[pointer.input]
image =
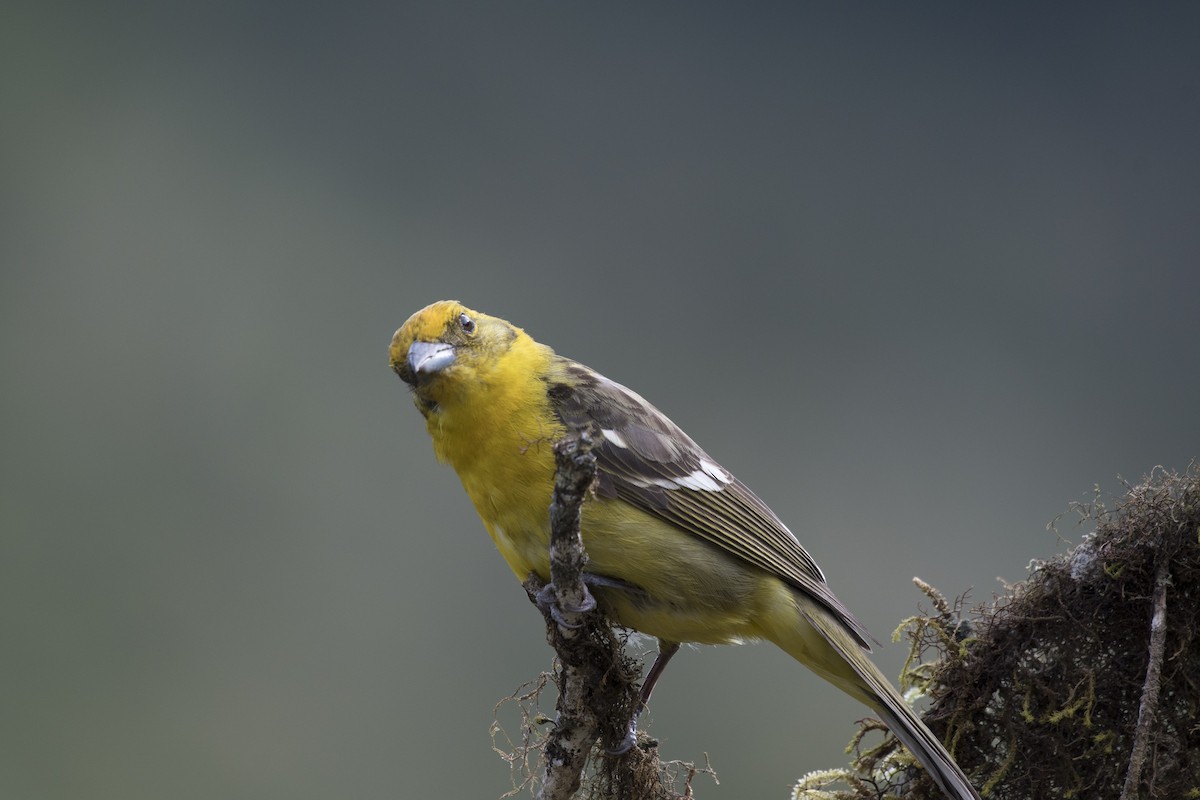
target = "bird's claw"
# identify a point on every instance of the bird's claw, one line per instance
(547, 601)
(627, 743)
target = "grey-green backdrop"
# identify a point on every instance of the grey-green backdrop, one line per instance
(921, 276)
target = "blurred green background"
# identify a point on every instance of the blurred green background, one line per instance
(920, 276)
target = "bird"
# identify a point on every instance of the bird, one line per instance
(678, 548)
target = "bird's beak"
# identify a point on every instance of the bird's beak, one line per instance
(426, 358)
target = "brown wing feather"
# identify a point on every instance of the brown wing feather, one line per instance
(646, 460)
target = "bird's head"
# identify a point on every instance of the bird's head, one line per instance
(446, 348)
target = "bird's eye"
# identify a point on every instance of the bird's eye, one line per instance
(466, 323)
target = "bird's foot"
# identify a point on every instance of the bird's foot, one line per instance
(547, 601)
(628, 742)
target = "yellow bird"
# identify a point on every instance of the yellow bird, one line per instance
(678, 548)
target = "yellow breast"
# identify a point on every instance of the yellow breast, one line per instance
(499, 438)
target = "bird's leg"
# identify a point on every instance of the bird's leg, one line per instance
(546, 601)
(548, 604)
(665, 651)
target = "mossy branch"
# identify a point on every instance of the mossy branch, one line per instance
(1152, 686)
(577, 725)
(597, 681)
(1078, 682)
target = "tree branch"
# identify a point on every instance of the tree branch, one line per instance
(597, 681)
(569, 631)
(1153, 682)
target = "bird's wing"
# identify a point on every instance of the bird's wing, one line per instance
(645, 459)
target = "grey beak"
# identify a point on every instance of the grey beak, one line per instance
(426, 358)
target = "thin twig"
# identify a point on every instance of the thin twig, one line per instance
(597, 682)
(577, 727)
(1153, 682)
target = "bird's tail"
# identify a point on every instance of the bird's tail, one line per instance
(865, 682)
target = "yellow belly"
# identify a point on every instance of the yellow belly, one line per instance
(687, 590)
(690, 590)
